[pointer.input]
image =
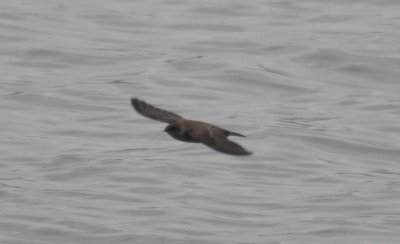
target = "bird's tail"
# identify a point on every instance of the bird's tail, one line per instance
(231, 133)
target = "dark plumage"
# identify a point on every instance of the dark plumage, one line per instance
(190, 130)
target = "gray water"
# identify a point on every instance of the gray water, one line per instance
(313, 84)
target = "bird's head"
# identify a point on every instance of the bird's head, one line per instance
(172, 129)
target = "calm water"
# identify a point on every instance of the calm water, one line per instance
(313, 84)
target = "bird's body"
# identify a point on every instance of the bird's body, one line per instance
(191, 130)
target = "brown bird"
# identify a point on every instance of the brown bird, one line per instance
(190, 130)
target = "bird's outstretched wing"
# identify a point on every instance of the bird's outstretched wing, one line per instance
(152, 112)
(221, 143)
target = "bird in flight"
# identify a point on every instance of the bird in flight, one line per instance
(191, 130)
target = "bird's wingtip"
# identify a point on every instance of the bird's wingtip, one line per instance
(245, 153)
(135, 100)
(135, 103)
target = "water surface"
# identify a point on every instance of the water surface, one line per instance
(313, 84)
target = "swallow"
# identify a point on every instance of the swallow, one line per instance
(190, 130)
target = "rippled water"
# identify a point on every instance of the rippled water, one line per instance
(313, 84)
